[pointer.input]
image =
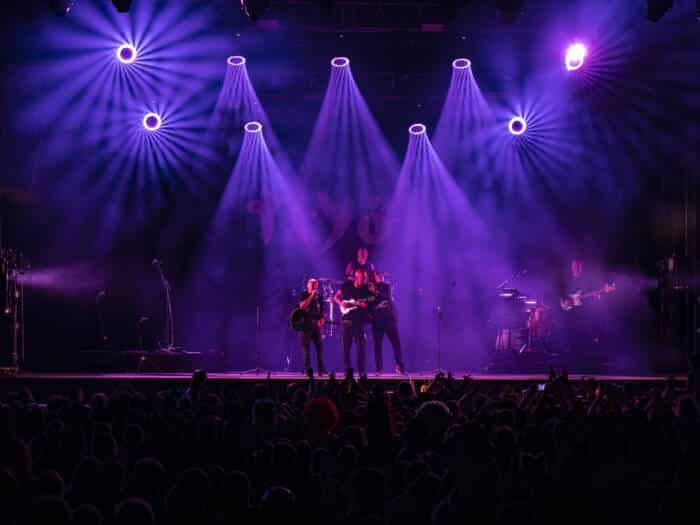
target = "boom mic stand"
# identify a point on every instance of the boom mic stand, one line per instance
(169, 323)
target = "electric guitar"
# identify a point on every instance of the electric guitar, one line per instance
(575, 300)
(299, 320)
(354, 304)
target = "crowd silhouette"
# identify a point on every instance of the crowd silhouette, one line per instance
(347, 450)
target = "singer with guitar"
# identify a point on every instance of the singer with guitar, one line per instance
(354, 299)
(583, 321)
(311, 304)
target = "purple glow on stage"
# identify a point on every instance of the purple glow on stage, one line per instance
(126, 53)
(237, 105)
(459, 131)
(575, 55)
(517, 125)
(236, 60)
(461, 63)
(348, 167)
(340, 62)
(416, 129)
(253, 127)
(152, 121)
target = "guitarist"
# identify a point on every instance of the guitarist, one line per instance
(354, 298)
(583, 324)
(384, 322)
(312, 303)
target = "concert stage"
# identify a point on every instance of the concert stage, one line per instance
(45, 384)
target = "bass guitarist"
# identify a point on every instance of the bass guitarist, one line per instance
(354, 299)
(312, 303)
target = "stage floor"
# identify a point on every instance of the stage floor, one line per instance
(289, 376)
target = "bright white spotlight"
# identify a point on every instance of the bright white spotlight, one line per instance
(253, 127)
(416, 129)
(152, 121)
(461, 63)
(235, 60)
(340, 62)
(575, 55)
(517, 126)
(126, 53)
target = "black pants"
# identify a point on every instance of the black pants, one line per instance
(355, 331)
(307, 336)
(388, 328)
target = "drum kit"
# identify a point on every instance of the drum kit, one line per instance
(524, 323)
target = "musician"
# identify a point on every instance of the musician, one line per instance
(582, 318)
(357, 296)
(360, 262)
(312, 303)
(384, 321)
(576, 282)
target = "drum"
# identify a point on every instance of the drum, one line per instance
(540, 322)
(510, 339)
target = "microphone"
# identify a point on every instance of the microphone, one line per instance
(155, 262)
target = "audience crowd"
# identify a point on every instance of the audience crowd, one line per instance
(345, 450)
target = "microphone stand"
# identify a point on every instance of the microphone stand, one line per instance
(438, 311)
(169, 324)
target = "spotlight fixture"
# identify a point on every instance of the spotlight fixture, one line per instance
(340, 62)
(255, 8)
(126, 53)
(416, 129)
(235, 60)
(575, 55)
(517, 126)
(152, 121)
(61, 7)
(122, 6)
(656, 9)
(253, 127)
(461, 63)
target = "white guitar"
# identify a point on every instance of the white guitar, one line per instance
(576, 299)
(348, 305)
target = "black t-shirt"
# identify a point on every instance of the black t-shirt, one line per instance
(315, 308)
(354, 265)
(383, 307)
(362, 293)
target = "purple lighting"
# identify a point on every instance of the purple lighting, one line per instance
(253, 127)
(126, 53)
(235, 60)
(152, 121)
(416, 129)
(340, 62)
(517, 125)
(461, 63)
(575, 55)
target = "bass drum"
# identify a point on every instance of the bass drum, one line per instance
(510, 339)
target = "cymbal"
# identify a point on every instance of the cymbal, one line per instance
(328, 280)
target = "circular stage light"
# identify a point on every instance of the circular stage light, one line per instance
(340, 62)
(126, 53)
(235, 60)
(152, 121)
(575, 56)
(416, 129)
(253, 127)
(517, 125)
(461, 63)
